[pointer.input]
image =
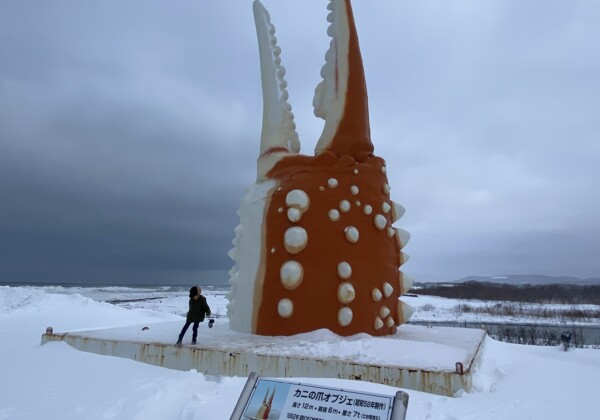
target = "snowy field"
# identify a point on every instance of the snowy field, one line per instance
(434, 308)
(55, 381)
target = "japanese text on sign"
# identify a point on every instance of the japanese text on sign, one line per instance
(307, 402)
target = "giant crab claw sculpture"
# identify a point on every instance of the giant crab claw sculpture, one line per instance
(316, 247)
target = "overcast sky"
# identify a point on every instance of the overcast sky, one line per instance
(129, 131)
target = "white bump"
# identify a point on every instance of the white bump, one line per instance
(344, 270)
(357, 203)
(380, 221)
(272, 250)
(354, 190)
(383, 170)
(386, 188)
(334, 215)
(384, 311)
(390, 322)
(280, 210)
(367, 209)
(376, 295)
(355, 172)
(297, 199)
(344, 206)
(345, 316)
(285, 307)
(346, 293)
(321, 188)
(378, 323)
(352, 234)
(391, 232)
(332, 182)
(385, 207)
(291, 274)
(295, 239)
(294, 215)
(387, 289)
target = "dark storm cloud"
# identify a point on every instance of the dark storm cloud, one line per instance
(129, 132)
(116, 121)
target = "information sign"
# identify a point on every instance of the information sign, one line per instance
(272, 399)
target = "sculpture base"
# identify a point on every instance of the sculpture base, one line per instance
(438, 360)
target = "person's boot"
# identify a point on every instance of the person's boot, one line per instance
(178, 344)
(193, 342)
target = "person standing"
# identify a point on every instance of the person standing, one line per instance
(198, 310)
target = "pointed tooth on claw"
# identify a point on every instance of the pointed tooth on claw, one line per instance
(406, 282)
(397, 211)
(278, 128)
(404, 257)
(402, 236)
(405, 311)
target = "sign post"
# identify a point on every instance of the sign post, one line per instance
(244, 396)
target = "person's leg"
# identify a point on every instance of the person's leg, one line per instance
(195, 332)
(183, 331)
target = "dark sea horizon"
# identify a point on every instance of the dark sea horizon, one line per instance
(136, 295)
(112, 285)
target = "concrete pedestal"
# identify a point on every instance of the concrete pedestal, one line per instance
(437, 360)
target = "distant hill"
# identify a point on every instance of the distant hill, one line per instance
(532, 279)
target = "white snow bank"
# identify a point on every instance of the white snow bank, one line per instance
(55, 381)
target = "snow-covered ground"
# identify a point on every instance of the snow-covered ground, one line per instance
(55, 381)
(440, 309)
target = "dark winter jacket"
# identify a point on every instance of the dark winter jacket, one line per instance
(198, 309)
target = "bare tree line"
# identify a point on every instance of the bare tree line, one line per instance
(523, 302)
(551, 293)
(523, 310)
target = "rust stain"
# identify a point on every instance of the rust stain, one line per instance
(227, 363)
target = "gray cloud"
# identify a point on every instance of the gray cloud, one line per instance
(118, 118)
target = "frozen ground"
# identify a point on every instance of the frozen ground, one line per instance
(55, 381)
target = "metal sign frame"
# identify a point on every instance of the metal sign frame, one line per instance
(312, 401)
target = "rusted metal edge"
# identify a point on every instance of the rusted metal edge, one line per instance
(453, 380)
(410, 369)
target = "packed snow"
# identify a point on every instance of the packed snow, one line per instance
(55, 381)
